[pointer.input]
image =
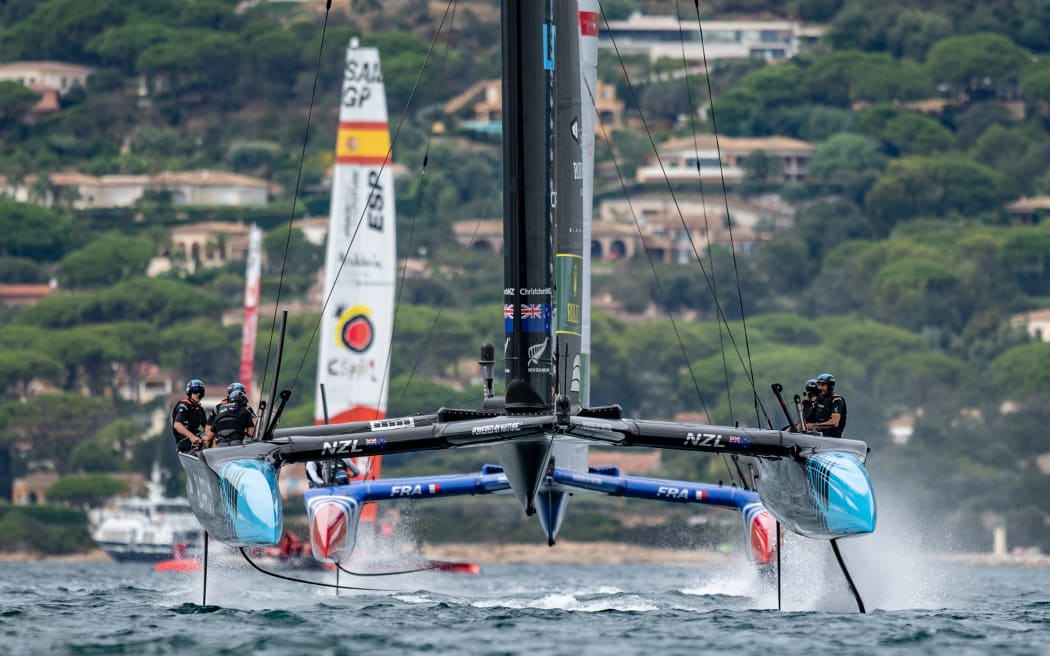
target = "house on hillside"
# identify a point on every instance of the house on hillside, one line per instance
(723, 159)
(60, 76)
(484, 100)
(201, 187)
(660, 226)
(31, 489)
(662, 37)
(50, 79)
(24, 294)
(1036, 323)
(209, 245)
(1029, 211)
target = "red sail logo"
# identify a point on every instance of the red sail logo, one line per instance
(354, 329)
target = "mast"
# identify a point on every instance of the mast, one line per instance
(528, 203)
(252, 275)
(589, 16)
(568, 259)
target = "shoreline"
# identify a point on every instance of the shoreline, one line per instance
(571, 553)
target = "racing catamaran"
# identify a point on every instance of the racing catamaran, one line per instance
(541, 426)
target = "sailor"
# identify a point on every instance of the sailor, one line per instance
(812, 408)
(188, 418)
(232, 421)
(832, 420)
(340, 474)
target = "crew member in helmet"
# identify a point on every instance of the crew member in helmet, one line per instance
(188, 418)
(233, 421)
(812, 408)
(832, 420)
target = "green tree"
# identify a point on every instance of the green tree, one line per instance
(851, 161)
(914, 186)
(1026, 255)
(663, 102)
(915, 292)
(1021, 154)
(120, 47)
(976, 63)
(914, 31)
(761, 166)
(870, 342)
(16, 270)
(913, 134)
(20, 368)
(86, 490)
(1022, 371)
(15, 100)
(88, 355)
(884, 79)
(917, 379)
(205, 351)
(105, 261)
(34, 232)
(52, 425)
(1035, 83)
(59, 29)
(738, 112)
(274, 54)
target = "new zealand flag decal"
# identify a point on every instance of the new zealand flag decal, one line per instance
(535, 317)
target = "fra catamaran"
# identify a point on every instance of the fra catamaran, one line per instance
(541, 426)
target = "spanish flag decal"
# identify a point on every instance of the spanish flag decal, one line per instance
(362, 143)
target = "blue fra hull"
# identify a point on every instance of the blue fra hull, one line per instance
(826, 495)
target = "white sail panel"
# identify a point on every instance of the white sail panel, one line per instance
(590, 14)
(357, 320)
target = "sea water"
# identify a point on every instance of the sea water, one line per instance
(929, 606)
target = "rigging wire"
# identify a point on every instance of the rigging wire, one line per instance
(703, 204)
(360, 220)
(399, 296)
(732, 243)
(748, 371)
(276, 575)
(652, 265)
(295, 196)
(707, 230)
(425, 347)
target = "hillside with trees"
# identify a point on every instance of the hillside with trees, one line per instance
(901, 274)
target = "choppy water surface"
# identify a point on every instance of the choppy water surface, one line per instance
(920, 607)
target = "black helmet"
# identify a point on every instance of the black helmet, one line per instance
(237, 396)
(811, 387)
(193, 386)
(827, 378)
(234, 386)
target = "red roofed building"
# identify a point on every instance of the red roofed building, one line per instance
(23, 294)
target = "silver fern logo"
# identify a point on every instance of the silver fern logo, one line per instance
(536, 350)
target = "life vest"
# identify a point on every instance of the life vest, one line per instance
(230, 424)
(194, 417)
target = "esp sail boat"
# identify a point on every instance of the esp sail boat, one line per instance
(357, 314)
(541, 426)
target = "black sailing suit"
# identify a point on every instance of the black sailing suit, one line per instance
(190, 414)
